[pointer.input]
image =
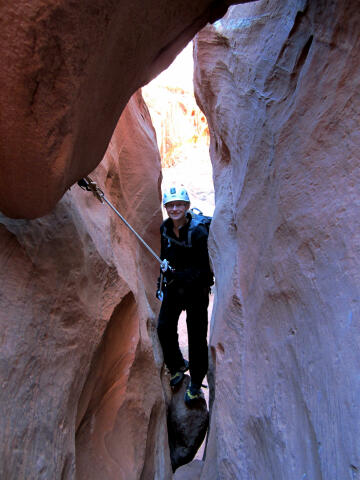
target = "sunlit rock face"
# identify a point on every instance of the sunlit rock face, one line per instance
(79, 355)
(182, 131)
(279, 83)
(181, 126)
(68, 70)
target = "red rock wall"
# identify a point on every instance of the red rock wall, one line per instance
(68, 70)
(77, 314)
(279, 83)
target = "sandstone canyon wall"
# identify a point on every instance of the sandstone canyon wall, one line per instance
(279, 83)
(79, 358)
(68, 70)
(76, 302)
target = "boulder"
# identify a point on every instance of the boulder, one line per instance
(187, 426)
(279, 84)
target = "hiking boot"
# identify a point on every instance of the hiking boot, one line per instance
(176, 378)
(178, 375)
(192, 394)
(185, 366)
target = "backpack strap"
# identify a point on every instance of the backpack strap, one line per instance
(177, 242)
(172, 239)
(193, 224)
(197, 219)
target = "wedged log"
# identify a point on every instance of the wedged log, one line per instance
(279, 83)
(79, 354)
(68, 70)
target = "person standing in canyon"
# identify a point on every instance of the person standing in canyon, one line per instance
(187, 287)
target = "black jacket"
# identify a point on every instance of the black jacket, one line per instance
(191, 262)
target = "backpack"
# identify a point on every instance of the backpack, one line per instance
(198, 218)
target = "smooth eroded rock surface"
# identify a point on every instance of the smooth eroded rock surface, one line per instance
(279, 83)
(191, 470)
(68, 70)
(79, 355)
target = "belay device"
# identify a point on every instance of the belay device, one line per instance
(89, 185)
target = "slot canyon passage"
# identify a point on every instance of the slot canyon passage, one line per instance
(83, 389)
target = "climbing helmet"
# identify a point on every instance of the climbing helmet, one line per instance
(175, 193)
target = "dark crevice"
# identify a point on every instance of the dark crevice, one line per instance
(149, 468)
(297, 26)
(222, 151)
(68, 468)
(283, 80)
(303, 56)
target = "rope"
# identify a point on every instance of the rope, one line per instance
(88, 184)
(134, 232)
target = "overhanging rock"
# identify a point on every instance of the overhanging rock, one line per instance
(68, 70)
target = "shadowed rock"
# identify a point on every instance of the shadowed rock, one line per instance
(79, 358)
(187, 426)
(191, 471)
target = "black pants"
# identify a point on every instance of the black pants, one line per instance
(195, 302)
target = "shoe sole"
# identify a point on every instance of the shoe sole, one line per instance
(191, 401)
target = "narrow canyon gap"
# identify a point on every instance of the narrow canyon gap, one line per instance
(279, 83)
(183, 139)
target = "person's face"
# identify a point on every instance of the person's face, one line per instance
(177, 210)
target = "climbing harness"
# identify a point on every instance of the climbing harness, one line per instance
(89, 185)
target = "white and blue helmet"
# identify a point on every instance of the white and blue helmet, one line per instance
(175, 193)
